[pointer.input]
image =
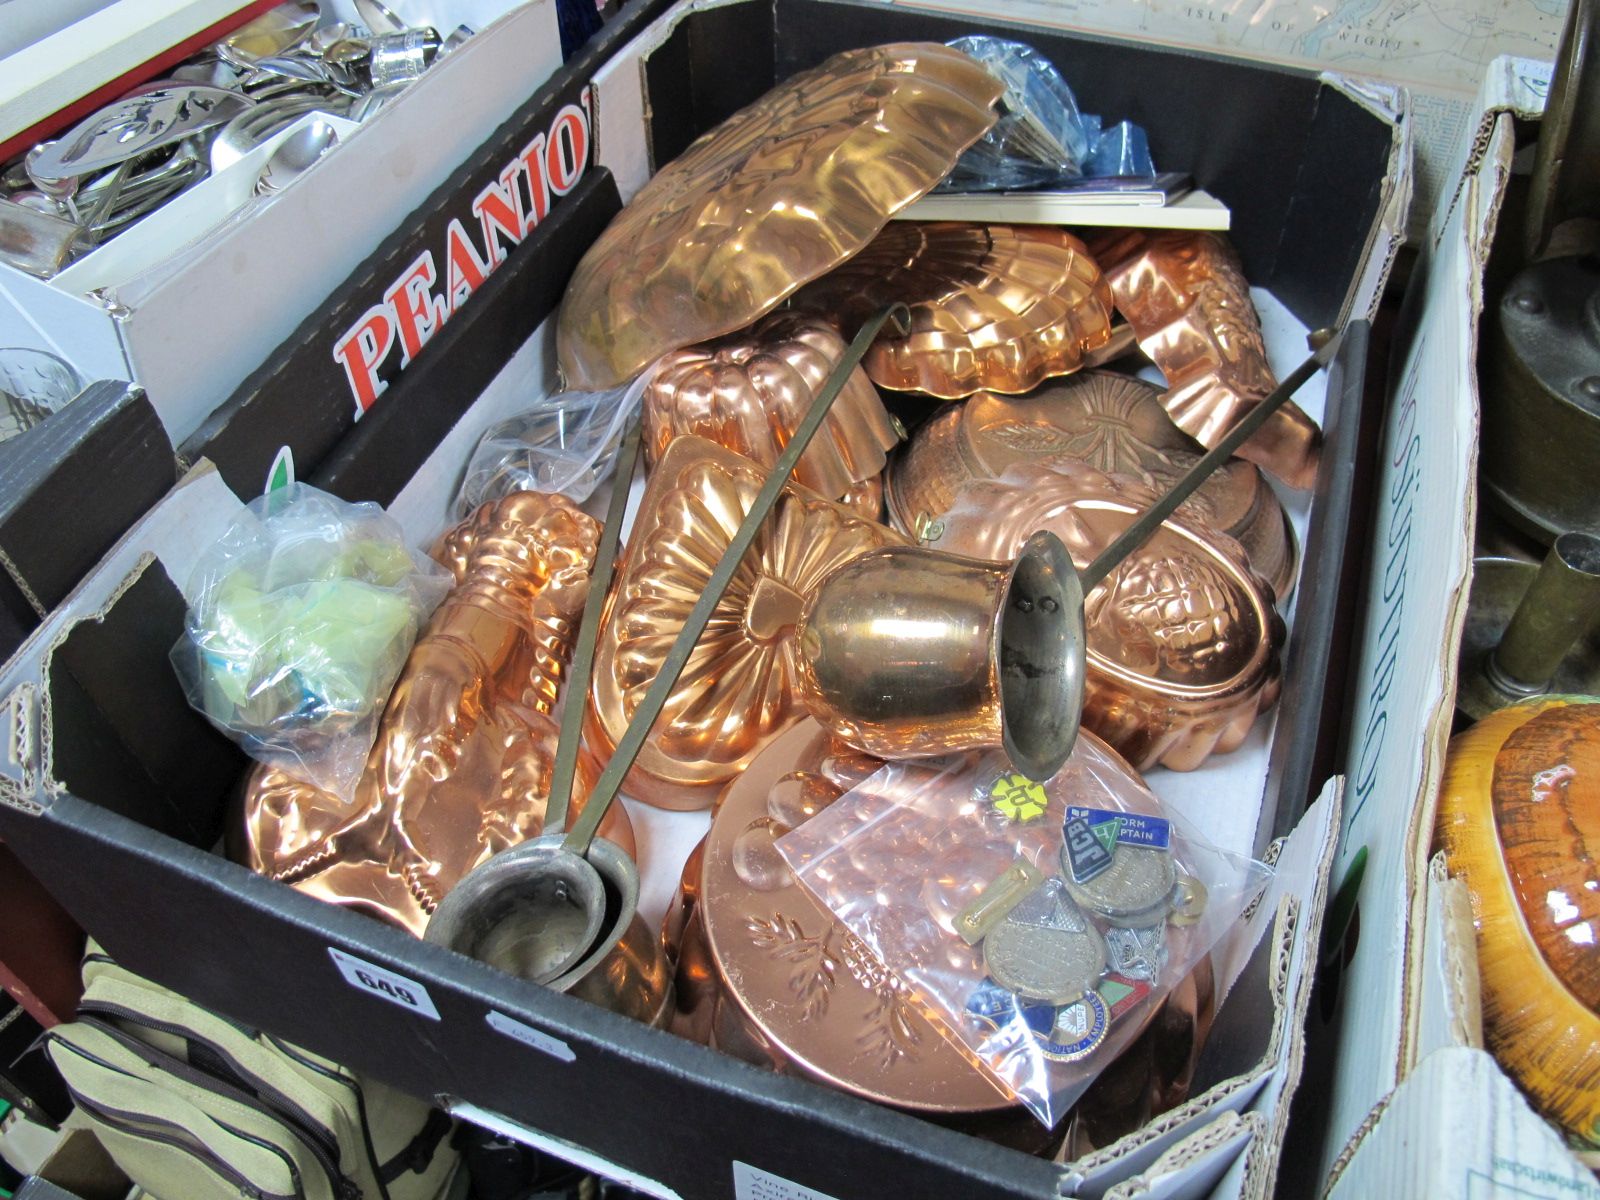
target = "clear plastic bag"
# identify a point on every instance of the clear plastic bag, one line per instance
(565, 444)
(1038, 926)
(1041, 138)
(300, 619)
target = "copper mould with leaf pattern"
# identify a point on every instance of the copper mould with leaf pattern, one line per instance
(993, 307)
(1187, 299)
(737, 692)
(461, 766)
(749, 390)
(778, 194)
(1183, 641)
(1111, 422)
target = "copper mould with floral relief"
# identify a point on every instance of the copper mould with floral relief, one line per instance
(775, 196)
(1186, 297)
(461, 766)
(748, 392)
(995, 307)
(1111, 422)
(1183, 640)
(737, 690)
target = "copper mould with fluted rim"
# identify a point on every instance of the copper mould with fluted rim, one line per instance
(995, 307)
(1187, 299)
(1111, 422)
(767, 974)
(778, 194)
(461, 766)
(748, 392)
(737, 690)
(1183, 639)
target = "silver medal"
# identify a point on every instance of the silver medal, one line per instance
(1135, 890)
(1056, 962)
(1137, 953)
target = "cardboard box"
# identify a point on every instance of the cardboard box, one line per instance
(187, 309)
(1384, 1012)
(115, 791)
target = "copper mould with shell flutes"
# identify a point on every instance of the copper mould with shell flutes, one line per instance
(775, 196)
(1186, 297)
(737, 691)
(1111, 422)
(995, 307)
(748, 391)
(461, 766)
(1183, 640)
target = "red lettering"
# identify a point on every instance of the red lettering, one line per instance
(464, 274)
(361, 351)
(568, 152)
(532, 160)
(418, 312)
(499, 209)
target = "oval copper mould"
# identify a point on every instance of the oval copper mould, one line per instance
(737, 690)
(748, 392)
(1183, 638)
(1187, 299)
(776, 195)
(1111, 422)
(461, 766)
(996, 307)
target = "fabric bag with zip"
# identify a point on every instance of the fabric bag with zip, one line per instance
(192, 1105)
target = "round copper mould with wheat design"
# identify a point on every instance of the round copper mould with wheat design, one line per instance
(776, 195)
(738, 689)
(1183, 639)
(766, 973)
(996, 307)
(1111, 422)
(748, 391)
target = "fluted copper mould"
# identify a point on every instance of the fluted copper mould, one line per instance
(1112, 422)
(996, 307)
(461, 766)
(775, 196)
(1182, 639)
(1186, 297)
(767, 974)
(911, 653)
(749, 390)
(737, 690)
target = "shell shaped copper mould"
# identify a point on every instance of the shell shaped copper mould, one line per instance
(773, 197)
(768, 974)
(737, 690)
(996, 307)
(1111, 422)
(1186, 297)
(750, 390)
(1183, 639)
(461, 766)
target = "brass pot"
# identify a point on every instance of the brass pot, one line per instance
(908, 653)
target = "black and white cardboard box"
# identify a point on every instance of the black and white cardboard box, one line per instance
(114, 791)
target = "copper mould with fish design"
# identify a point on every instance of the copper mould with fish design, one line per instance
(1183, 641)
(995, 307)
(748, 391)
(461, 766)
(737, 690)
(767, 974)
(1186, 297)
(1111, 422)
(778, 194)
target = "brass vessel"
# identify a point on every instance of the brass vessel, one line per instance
(995, 307)
(1187, 299)
(1111, 422)
(737, 691)
(778, 194)
(912, 653)
(1183, 639)
(748, 391)
(461, 766)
